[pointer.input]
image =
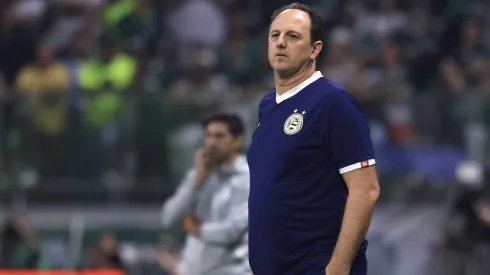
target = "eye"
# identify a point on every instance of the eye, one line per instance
(293, 36)
(275, 34)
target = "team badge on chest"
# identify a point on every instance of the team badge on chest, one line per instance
(294, 123)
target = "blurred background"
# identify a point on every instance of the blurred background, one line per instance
(100, 104)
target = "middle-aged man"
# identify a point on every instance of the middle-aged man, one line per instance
(214, 197)
(313, 183)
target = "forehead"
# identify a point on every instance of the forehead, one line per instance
(217, 126)
(291, 20)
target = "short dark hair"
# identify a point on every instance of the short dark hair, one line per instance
(233, 121)
(317, 32)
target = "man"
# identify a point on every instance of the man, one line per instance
(45, 86)
(214, 196)
(104, 82)
(313, 185)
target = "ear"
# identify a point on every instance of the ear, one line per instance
(317, 48)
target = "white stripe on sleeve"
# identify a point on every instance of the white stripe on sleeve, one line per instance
(356, 166)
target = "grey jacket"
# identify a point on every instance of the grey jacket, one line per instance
(221, 204)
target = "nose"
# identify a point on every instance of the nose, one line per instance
(211, 142)
(281, 42)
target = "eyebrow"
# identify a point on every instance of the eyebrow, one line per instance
(287, 32)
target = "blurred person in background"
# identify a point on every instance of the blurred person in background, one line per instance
(471, 44)
(197, 22)
(134, 22)
(19, 246)
(105, 82)
(213, 198)
(380, 18)
(106, 255)
(18, 40)
(450, 87)
(200, 89)
(464, 245)
(240, 56)
(44, 85)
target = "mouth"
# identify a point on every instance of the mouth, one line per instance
(281, 55)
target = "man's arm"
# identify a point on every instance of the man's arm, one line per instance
(180, 203)
(349, 141)
(235, 225)
(364, 191)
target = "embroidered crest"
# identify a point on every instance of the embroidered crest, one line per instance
(294, 123)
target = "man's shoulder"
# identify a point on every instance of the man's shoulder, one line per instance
(242, 174)
(329, 94)
(327, 89)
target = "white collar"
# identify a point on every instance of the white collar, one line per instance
(315, 76)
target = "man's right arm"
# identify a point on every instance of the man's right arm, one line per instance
(180, 203)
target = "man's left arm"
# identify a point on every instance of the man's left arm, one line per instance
(364, 191)
(349, 141)
(235, 225)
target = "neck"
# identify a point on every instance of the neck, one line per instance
(231, 159)
(284, 84)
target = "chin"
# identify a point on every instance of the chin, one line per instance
(283, 71)
(281, 67)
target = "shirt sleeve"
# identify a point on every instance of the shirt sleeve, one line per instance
(235, 225)
(347, 134)
(180, 203)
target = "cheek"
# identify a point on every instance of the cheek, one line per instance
(270, 52)
(306, 52)
(227, 146)
(299, 56)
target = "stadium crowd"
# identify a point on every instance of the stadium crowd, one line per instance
(134, 73)
(111, 93)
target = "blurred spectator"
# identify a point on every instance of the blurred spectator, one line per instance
(74, 55)
(340, 64)
(240, 55)
(465, 244)
(18, 42)
(45, 86)
(106, 254)
(133, 22)
(397, 92)
(197, 22)
(451, 86)
(66, 18)
(19, 246)
(471, 42)
(116, 10)
(106, 81)
(200, 87)
(380, 18)
(27, 10)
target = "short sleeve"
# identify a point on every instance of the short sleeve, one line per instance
(347, 134)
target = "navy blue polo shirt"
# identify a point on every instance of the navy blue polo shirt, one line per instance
(305, 140)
